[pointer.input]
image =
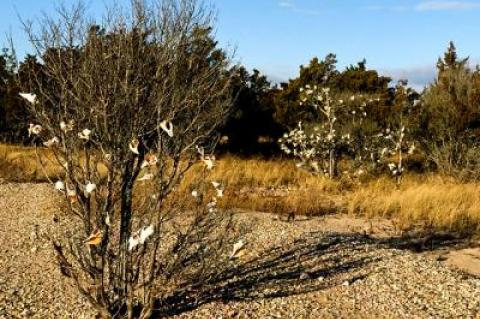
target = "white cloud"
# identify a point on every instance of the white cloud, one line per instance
(425, 6)
(418, 76)
(288, 4)
(446, 5)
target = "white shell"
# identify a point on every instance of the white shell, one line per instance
(145, 233)
(32, 98)
(167, 127)
(90, 187)
(59, 185)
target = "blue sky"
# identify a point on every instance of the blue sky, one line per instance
(402, 38)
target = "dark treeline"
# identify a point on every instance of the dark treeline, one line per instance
(445, 122)
(263, 112)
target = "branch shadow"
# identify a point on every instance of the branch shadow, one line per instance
(421, 241)
(310, 264)
(314, 262)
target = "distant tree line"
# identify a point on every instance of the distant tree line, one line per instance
(445, 121)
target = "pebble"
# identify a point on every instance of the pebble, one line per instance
(30, 277)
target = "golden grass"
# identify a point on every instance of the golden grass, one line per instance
(278, 186)
(19, 163)
(267, 185)
(433, 202)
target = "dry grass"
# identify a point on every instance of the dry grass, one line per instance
(278, 186)
(432, 202)
(20, 164)
(270, 186)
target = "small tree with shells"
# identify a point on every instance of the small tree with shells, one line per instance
(320, 146)
(128, 107)
(393, 143)
(337, 130)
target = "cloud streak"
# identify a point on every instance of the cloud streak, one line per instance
(288, 4)
(446, 5)
(426, 6)
(418, 77)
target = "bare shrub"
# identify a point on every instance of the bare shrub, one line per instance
(128, 107)
(456, 157)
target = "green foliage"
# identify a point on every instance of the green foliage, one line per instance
(357, 79)
(451, 106)
(288, 110)
(450, 116)
(323, 73)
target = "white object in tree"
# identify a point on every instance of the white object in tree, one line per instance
(209, 162)
(72, 195)
(200, 151)
(90, 187)
(85, 134)
(107, 219)
(411, 149)
(167, 127)
(66, 127)
(133, 146)
(146, 177)
(34, 129)
(217, 188)
(60, 186)
(133, 241)
(392, 166)
(145, 233)
(52, 142)
(31, 98)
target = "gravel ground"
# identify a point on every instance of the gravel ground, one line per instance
(31, 285)
(325, 268)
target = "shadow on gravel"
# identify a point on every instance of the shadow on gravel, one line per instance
(312, 264)
(422, 241)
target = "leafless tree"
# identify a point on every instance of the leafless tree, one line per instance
(127, 106)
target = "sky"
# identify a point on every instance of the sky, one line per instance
(400, 38)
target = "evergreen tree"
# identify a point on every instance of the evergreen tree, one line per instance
(251, 128)
(450, 59)
(450, 113)
(357, 79)
(13, 114)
